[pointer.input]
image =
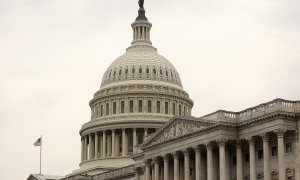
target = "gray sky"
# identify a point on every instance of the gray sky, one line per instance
(230, 54)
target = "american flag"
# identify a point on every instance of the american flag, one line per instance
(38, 142)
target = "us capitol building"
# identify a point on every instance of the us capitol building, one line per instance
(141, 127)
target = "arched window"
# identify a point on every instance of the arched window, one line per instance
(114, 107)
(133, 70)
(179, 107)
(115, 73)
(120, 72)
(140, 70)
(174, 109)
(167, 74)
(171, 74)
(160, 72)
(126, 71)
(101, 110)
(140, 106)
(131, 106)
(147, 70)
(107, 109)
(166, 108)
(158, 106)
(149, 106)
(122, 107)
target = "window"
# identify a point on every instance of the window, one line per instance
(158, 106)
(173, 109)
(114, 107)
(107, 109)
(149, 106)
(147, 70)
(184, 110)
(140, 70)
(101, 110)
(131, 106)
(274, 150)
(154, 71)
(260, 154)
(247, 157)
(166, 108)
(120, 72)
(140, 106)
(115, 73)
(133, 70)
(160, 72)
(179, 107)
(126, 71)
(122, 106)
(288, 147)
(167, 74)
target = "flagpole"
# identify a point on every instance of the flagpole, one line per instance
(41, 155)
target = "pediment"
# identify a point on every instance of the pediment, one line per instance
(174, 129)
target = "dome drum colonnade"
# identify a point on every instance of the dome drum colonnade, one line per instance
(179, 164)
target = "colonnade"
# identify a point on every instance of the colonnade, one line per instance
(189, 163)
(112, 143)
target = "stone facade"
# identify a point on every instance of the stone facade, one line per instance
(141, 128)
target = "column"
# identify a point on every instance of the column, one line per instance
(186, 154)
(90, 147)
(117, 144)
(266, 149)
(166, 167)
(281, 161)
(123, 143)
(252, 158)
(239, 161)
(82, 150)
(134, 140)
(113, 143)
(222, 160)
(108, 145)
(96, 145)
(85, 148)
(145, 133)
(209, 161)
(198, 173)
(104, 144)
(147, 164)
(176, 166)
(156, 168)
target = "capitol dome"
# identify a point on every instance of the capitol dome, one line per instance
(140, 91)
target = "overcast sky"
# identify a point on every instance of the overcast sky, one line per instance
(230, 54)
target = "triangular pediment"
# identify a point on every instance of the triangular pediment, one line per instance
(176, 128)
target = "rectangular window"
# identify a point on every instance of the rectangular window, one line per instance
(184, 111)
(131, 106)
(260, 154)
(288, 147)
(114, 107)
(101, 110)
(122, 106)
(179, 110)
(107, 109)
(166, 108)
(173, 109)
(158, 106)
(274, 150)
(140, 106)
(149, 106)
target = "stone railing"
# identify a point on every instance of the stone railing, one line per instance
(117, 173)
(262, 109)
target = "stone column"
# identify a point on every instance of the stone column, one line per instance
(104, 144)
(147, 171)
(222, 160)
(176, 165)
(156, 168)
(186, 154)
(198, 165)
(117, 144)
(239, 161)
(90, 147)
(266, 149)
(113, 143)
(134, 139)
(281, 160)
(166, 167)
(82, 150)
(123, 143)
(209, 161)
(108, 145)
(96, 145)
(145, 133)
(252, 158)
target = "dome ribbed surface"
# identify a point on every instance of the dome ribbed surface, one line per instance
(141, 63)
